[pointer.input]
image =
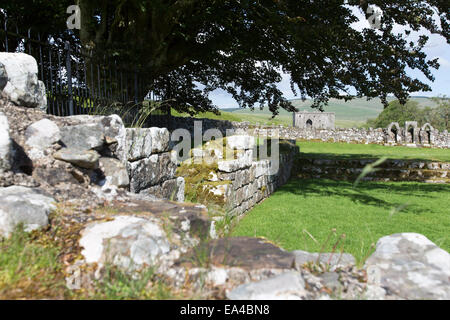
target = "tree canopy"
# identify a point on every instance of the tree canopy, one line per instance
(192, 47)
(437, 116)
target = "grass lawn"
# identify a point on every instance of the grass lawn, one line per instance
(326, 150)
(306, 209)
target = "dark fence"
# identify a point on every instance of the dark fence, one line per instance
(77, 84)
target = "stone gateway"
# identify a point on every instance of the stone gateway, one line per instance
(314, 120)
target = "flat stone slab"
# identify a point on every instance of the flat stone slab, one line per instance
(242, 252)
(88, 159)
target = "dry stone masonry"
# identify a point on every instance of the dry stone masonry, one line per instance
(244, 181)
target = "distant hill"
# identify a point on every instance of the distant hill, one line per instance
(348, 114)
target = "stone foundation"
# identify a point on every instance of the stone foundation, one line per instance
(390, 170)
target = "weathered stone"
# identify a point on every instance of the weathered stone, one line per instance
(287, 286)
(160, 139)
(53, 176)
(240, 142)
(170, 189)
(41, 135)
(127, 242)
(20, 205)
(83, 136)
(87, 159)
(115, 172)
(137, 145)
(151, 171)
(22, 87)
(242, 252)
(243, 161)
(5, 144)
(410, 266)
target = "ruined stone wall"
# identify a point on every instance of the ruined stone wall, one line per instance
(390, 170)
(148, 159)
(244, 181)
(314, 120)
(351, 135)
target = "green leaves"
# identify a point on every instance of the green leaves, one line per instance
(245, 45)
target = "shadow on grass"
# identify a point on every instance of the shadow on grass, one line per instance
(365, 193)
(362, 156)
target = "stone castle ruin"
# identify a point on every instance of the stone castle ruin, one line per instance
(314, 120)
(411, 134)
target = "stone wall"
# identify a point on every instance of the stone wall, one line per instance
(423, 136)
(149, 162)
(351, 135)
(242, 182)
(390, 170)
(252, 184)
(314, 120)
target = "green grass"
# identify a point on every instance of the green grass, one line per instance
(313, 207)
(29, 269)
(327, 150)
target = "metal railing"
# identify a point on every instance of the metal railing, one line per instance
(76, 83)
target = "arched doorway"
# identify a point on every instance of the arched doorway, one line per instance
(309, 124)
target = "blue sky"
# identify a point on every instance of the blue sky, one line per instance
(436, 47)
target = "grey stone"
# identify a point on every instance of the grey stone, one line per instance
(41, 135)
(115, 172)
(22, 87)
(137, 145)
(5, 144)
(410, 266)
(20, 205)
(83, 136)
(88, 159)
(172, 189)
(287, 286)
(160, 139)
(151, 171)
(240, 142)
(127, 242)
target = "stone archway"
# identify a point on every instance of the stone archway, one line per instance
(426, 134)
(411, 132)
(309, 124)
(394, 133)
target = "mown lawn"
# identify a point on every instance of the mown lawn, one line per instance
(301, 214)
(324, 150)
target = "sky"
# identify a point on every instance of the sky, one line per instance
(436, 47)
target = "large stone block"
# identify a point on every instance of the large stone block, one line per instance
(20, 205)
(410, 266)
(240, 142)
(115, 172)
(22, 87)
(244, 161)
(151, 171)
(41, 135)
(127, 242)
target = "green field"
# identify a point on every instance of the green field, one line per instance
(326, 150)
(301, 214)
(348, 114)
